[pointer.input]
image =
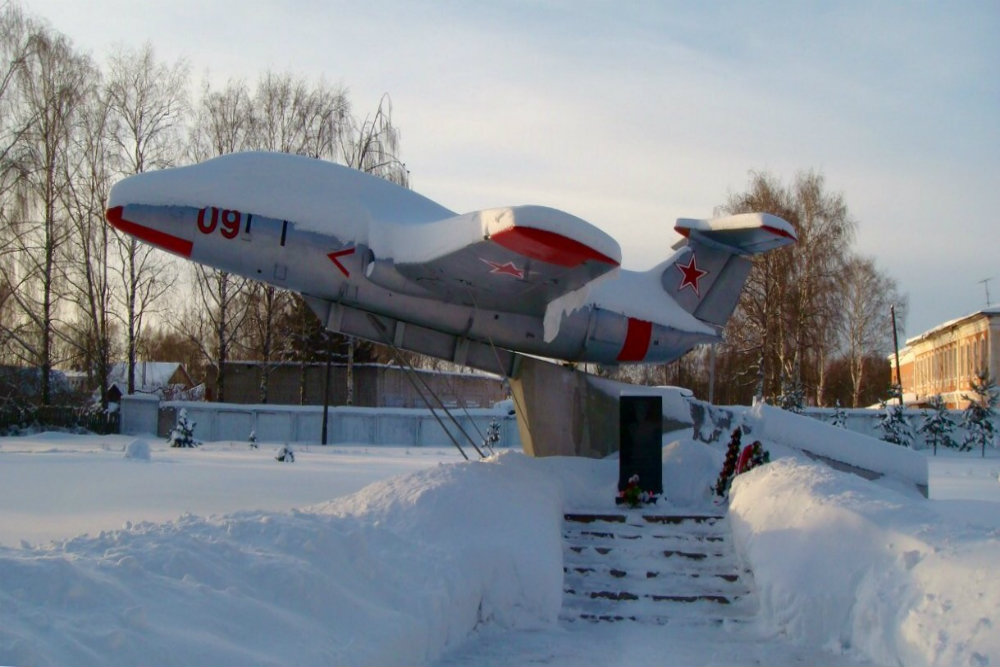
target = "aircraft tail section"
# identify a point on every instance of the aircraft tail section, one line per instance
(707, 273)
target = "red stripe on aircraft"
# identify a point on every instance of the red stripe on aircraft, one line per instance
(334, 257)
(548, 247)
(777, 231)
(174, 244)
(780, 232)
(637, 339)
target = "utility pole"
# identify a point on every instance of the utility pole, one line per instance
(326, 384)
(895, 343)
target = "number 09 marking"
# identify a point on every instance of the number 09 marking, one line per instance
(230, 220)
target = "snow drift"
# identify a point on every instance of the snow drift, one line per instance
(846, 564)
(393, 574)
(408, 568)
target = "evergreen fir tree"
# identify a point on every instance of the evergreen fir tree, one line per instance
(892, 423)
(182, 435)
(792, 396)
(285, 454)
(839, 416)
(979, 417)
(492, 435)
(937, 425)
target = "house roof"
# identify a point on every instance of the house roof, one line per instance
(990, 312)
(149, 375)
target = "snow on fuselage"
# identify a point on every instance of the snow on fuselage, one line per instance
(310, 226)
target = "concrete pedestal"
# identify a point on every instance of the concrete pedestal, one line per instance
(562, 411)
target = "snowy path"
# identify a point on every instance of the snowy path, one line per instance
(637, 644)
(670, 591)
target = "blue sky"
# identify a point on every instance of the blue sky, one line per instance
(631, 114)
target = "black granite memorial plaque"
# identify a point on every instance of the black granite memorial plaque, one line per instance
(641, 442)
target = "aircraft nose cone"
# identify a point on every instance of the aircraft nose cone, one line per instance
(114, 216)
(151, 232)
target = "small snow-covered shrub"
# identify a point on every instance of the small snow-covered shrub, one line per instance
(892, 421)
(980, 413)
(937, 425)
(182, 435)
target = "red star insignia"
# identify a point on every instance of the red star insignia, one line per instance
(507, 269)
(691, 274)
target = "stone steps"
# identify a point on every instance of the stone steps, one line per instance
(654, 568)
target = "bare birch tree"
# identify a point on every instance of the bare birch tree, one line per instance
(17, 44)
(373, 146)
(90, 251)
(787, 309)
(223, 122)
(50, 86)
(289, 116)
(223, 125)
(865, 327)
(147, 102)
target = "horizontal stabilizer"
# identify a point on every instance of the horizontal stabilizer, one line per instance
(743, 234)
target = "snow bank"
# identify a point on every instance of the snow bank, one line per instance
(807, 434)
(849, 565)
(393, 574)
(689, 470)
(138, 450)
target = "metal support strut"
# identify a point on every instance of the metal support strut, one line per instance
(425, 393)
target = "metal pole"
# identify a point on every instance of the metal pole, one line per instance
(895, 343)
(711, 373)
(350, 370)
(326, 390)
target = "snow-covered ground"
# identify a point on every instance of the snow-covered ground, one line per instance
(57, 486)
(383, 555)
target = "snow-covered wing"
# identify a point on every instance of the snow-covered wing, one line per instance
(516, 259)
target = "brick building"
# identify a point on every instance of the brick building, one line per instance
(946, 359)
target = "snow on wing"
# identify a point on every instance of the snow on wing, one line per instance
(516, 259)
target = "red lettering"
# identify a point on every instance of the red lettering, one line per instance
(208, 228)
(230, 224)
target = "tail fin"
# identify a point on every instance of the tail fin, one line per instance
(706, 275)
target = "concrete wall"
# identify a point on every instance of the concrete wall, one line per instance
(346, 425)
